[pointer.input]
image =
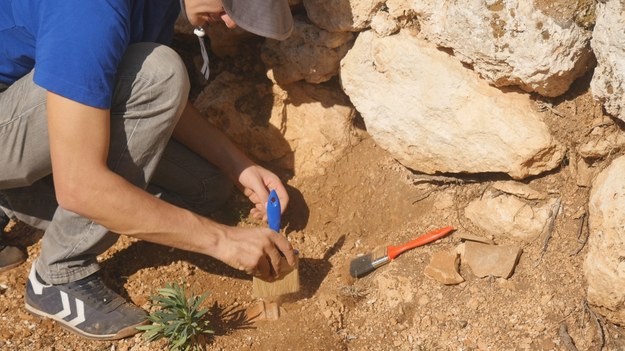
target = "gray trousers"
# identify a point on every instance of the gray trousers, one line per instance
(150, 92)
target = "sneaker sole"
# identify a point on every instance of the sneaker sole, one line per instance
(124, 333)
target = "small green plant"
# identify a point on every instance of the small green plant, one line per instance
(178, 319)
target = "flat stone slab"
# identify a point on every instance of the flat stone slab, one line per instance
(491, 260)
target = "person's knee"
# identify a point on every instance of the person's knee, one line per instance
(150, 76)
(164, 67)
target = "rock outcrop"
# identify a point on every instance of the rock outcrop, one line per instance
(605, 263)
(608, 44)
(509, 43)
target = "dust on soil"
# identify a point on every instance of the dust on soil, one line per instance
(366, 199)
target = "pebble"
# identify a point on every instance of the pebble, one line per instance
(423, 300)
(473, 304)
(545, 299)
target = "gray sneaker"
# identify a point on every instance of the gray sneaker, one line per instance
(86, 307)
(10, 256)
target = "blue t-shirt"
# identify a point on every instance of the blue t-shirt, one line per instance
(75, 46)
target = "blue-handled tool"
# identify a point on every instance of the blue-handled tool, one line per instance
(288, 280)
(273, 211)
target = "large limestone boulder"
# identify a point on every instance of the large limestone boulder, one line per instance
(310, 53)
(434, 115)
(608, 43)
(509, 43)
(342, 15)
(303, 128)
(605, 265)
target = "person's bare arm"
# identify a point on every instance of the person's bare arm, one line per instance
(194, 131)
(79, 142)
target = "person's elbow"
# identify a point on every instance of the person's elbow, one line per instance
(76, 193)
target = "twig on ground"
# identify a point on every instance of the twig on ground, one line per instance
(582, 224)
(580, 229)
(555, 209)
(429, 192)
(543, 105)
(562, 320)
(598, 125)
(443, 181)
(425, 178)
(567, 341)
(598, 324)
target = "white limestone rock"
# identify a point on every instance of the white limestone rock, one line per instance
(503, 214)
(509, 42)
(604, 266)
(608, 44)
(383, 24)
(434, 115)
(342, 15)
(310, 53)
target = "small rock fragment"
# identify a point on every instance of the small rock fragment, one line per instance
(584, 172)
(491, 260)
(444, 268)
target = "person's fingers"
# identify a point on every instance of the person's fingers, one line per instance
(263, 197)
(230, 23)
(274, 257)
(252, 196)
(264, 269)
(285, 247)
(256, 213)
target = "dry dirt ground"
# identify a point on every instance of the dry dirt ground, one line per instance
(366, 200)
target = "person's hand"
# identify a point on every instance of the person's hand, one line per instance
(256, 251)
(256, 182)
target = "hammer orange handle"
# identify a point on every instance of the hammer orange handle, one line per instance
(394, 251)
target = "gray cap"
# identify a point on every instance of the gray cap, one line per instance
(267, 18)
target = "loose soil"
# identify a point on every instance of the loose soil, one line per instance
(365, 200)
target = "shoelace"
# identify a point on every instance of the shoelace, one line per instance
(200, 33)
(93, 289)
